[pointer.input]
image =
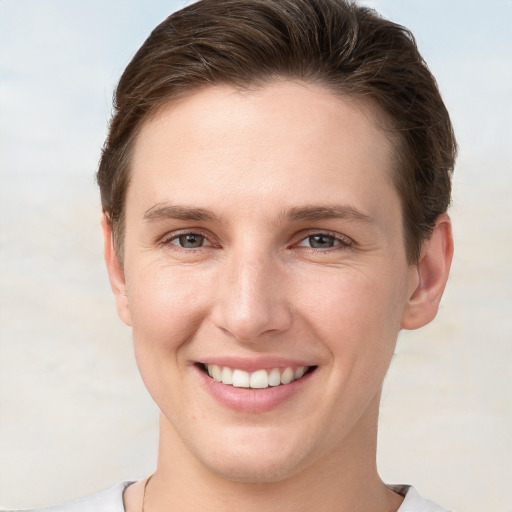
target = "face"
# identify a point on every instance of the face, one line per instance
(265, 276)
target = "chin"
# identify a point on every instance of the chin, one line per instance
(253, 471)
(257, 462)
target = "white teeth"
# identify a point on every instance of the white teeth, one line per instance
(215, 372)
(240, 379)
(260, 379)
(227, 375)
(274, 377)
(299, 372)
(287, 376)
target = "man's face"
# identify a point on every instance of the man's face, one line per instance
(264, 239)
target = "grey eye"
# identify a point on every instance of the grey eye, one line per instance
(190, 241)
(321, 241)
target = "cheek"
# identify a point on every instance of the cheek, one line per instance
(167, 307)
(353, 311)
(166, 304)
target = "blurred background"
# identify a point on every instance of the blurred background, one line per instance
(75, 417)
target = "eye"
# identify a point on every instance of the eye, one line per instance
(188, 240)
(324, 241)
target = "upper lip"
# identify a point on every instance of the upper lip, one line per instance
(251, 364)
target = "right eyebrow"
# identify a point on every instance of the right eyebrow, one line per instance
(320, 212)
(162, 211)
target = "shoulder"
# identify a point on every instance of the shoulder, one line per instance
(109, 500)
(413, 502)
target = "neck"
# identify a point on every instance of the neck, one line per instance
(344, 480)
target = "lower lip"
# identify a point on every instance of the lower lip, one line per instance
(249, 399)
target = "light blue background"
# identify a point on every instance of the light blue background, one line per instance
(75, 417)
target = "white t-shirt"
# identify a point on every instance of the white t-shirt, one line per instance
(111, 500)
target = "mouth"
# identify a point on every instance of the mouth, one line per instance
(258, 379)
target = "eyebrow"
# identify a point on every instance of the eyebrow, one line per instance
(162, 211)
(168, 211)
(314, 213)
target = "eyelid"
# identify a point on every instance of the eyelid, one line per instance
(344, 240)
(174, 235)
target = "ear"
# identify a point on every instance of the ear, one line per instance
(115, 272)
(430, 276)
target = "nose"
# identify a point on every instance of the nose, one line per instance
(251, 298)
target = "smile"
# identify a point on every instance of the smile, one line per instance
(259, 379)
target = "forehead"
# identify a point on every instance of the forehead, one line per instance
(284, 142)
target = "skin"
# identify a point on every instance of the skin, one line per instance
(267, 165)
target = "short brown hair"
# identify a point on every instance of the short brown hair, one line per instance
(349, 49)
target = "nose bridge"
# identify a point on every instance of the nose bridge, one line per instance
(252, 295)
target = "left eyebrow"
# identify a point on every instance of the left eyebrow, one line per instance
(314, 213)
(162, 211)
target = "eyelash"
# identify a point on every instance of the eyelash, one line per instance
(340, 242)
(167, 240)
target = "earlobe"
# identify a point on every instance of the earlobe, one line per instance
(115, 272)
(431, 274)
